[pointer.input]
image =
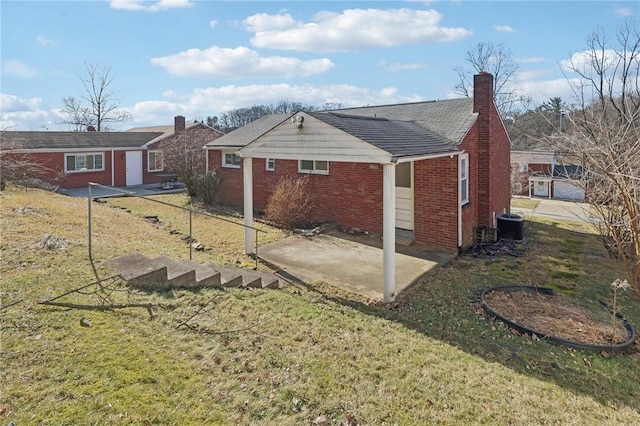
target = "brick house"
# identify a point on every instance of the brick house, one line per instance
(434, 170)
(73, 159)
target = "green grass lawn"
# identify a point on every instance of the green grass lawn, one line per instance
(287, 356)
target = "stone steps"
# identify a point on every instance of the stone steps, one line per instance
(163, 272)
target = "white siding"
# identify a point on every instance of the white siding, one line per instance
(316, 140)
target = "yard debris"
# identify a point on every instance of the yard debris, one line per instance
(499, 248)
(313, 231)
(85, 323)
(53, 242)
(321, 420)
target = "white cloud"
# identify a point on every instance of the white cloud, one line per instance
(45, 41)
(16, 68)
(213, 23)
(21, 114)
(203, 102)
(264, 22)
(149, 6)
(353, 29)
(583, 61)
(216, 62)
(397, 66)
(623, 11)
(504, 28)
(543, 90)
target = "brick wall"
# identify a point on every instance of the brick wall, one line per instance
(351, 195)
(436, 202)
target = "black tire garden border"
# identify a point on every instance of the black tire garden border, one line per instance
(576, 345)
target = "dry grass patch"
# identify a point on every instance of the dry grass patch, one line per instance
(275, 357)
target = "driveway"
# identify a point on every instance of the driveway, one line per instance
(558, 209)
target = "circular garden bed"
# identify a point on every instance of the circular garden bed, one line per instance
(539, 311)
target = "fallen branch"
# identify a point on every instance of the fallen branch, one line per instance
(11, 304)
(147, 306)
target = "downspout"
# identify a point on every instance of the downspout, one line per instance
(459, 205)
(113, 168)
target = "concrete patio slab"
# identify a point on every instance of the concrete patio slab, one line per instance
(354, 266)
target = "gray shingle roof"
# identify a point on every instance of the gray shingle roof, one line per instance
(398, 138)
(451, 118)
(74, 140)
(420, 128)
(249, 132)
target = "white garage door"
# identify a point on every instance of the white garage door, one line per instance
(567, 191)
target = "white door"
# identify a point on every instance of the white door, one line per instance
(541, 188)
(567, 191)
(404, 196)
(134, 168)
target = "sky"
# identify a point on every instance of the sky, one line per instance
(204, 58)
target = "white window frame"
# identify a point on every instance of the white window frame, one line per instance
(314, 170)
(270, 164)
(463, 178)
(149, 162)
(231, 165)
(84, 169)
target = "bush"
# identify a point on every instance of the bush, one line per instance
(290, 203)
(205, 186)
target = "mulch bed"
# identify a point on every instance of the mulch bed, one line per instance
(556, 316)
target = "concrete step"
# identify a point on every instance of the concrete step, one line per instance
(140, 271)
(260, 279)
(229, 276)
(179, 274)
(205, 276)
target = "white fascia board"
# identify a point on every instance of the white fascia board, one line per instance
(427, 157)
(381, 159)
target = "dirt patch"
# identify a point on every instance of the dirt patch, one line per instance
(556, 316)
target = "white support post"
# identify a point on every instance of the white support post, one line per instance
(247, 179)
(389, 232)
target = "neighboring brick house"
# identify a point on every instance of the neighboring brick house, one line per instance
(73, 159)
(451, 163)
(543, 173)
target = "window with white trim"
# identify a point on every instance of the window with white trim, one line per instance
(270, 164)
(313, 166)
(230, 159)
(77, 163)
(155, 161)
(463, 167)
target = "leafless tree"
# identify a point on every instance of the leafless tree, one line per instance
(98, 106)
(497, 60)
(20, 168)
(606, 140)
(184, 154)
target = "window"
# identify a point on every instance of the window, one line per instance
(270, 164)
(231, 159)
(83, 162)
(155, 161)
(315, 167)
(464, 178)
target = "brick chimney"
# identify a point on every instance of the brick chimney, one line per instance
(482, 105)
(179, 124)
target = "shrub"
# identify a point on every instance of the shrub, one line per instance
(205, 186)
(290, 203)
